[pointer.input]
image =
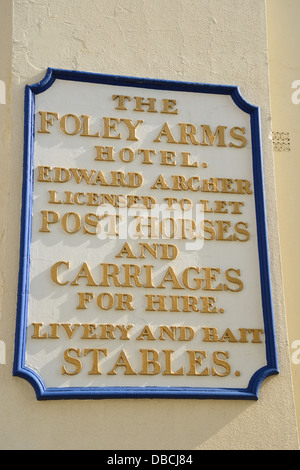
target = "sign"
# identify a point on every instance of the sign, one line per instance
(144, 257)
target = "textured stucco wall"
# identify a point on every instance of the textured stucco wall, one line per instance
(191, 40)
(284, 65)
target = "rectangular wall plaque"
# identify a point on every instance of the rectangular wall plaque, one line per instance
(144, 258)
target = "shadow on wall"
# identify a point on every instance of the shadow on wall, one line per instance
(144, 424)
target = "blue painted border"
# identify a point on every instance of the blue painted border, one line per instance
(19, 368)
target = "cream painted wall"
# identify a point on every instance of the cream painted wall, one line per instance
(5, 125)
(192, 40)
(284, 62)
